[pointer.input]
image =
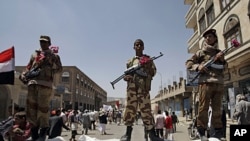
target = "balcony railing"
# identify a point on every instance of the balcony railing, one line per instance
(190, 19)
(192, 42)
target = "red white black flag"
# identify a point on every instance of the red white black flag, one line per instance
(7, 66)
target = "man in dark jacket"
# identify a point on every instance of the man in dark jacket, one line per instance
(56, 124)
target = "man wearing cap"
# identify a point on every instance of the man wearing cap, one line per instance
(38, 75)
(210, 82)
(138, 96)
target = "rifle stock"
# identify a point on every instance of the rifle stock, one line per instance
(132, 70)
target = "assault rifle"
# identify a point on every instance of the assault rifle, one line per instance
(132, 69)
(234, 44)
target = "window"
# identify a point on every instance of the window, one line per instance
(225, 3)
(198, 1)
(232, 30)
(210, 12)
(65, 77)
(77, 79)
(248, 9)
(82, 83)
(202, 21)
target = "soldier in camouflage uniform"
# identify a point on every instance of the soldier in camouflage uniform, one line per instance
(211, 87)
(47, 63)
(138, 87)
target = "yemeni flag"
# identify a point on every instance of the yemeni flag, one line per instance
(7, 66)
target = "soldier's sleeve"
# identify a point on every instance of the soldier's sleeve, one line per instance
(57, 65)
(30, 63)
(128, 63)
(192, 63)
(153, 69)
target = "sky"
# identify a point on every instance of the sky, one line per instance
(97, 36)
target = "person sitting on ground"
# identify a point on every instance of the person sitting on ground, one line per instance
(21, 128)
(7, 124)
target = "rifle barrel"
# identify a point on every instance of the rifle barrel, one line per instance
(211, 61)
(116, 80)
(126, 72)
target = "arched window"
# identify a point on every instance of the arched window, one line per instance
(232, 30)
(248, 9)
(198, 1)
(202, 21)
(65, 76)
(225, 3)
(210, 12)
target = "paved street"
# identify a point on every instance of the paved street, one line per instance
(115, 132)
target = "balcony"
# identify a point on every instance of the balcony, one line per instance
(190, 17)
(193, 43)
(188, 2)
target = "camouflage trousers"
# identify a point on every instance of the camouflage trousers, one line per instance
(37, 105)
(207, 92)
(137, 98)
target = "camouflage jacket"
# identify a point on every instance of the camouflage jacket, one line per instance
(143, 82)
(49, 66)
(215, 73)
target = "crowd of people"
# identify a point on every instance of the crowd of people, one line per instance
(17, 128)
(165, 125)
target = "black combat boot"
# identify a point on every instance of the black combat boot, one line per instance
(153, 136)
(43, 134)
(218, 133)
(201, 132)
(127, 136)
(34, 133)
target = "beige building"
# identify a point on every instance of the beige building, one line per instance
(231, 21)
(173, 98)
(72, 90)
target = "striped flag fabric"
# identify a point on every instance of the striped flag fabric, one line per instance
(7, 66)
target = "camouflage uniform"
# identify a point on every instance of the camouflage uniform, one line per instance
(211, 86)
(138, 87)
(40, 88)
(138, 95)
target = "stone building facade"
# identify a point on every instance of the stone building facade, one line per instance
(174, 98)
(231, 20)
(72, 90)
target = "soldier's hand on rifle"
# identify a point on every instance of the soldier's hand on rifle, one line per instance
(202, 68)
(128, 77)
(23, 78)
(148, 64)
(219, 56)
